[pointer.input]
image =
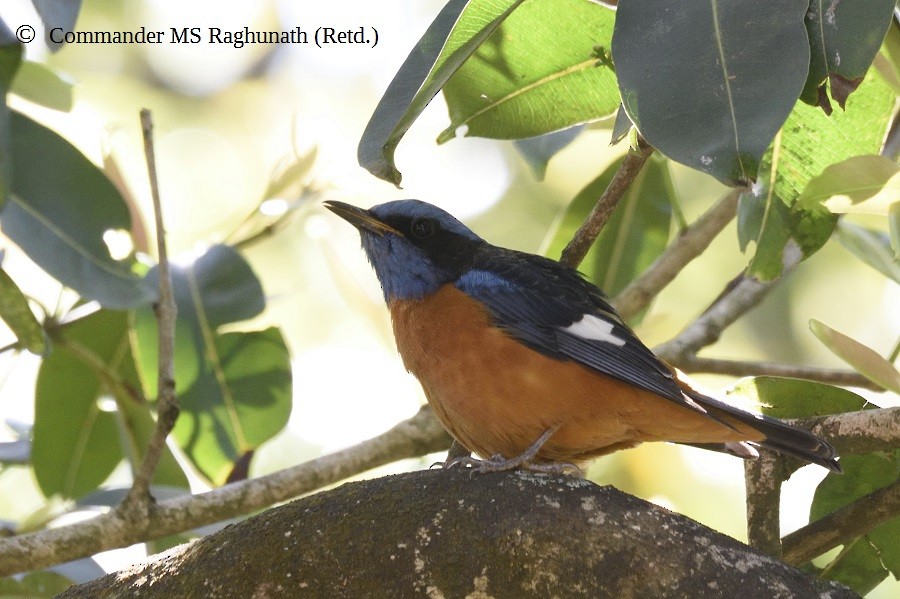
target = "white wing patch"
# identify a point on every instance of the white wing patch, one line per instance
(593, 327)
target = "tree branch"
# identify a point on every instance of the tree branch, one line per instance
(420, 435)
(692, 242)
(136, 504)
(842, 526)
(742, 294)
(764, 477)
(634, 161)
(850, 378)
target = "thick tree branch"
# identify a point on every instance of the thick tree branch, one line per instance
(634, 161)
(842, 526)
(849, 378)
(136, 504)
(692, 242)
(420, 435)
(764, 477)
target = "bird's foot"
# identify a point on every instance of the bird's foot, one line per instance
(523, 461)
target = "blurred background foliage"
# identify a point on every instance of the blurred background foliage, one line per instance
(249, 142)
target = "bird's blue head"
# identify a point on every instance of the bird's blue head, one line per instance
(414, 247)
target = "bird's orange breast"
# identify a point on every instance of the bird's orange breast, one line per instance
(497, 396)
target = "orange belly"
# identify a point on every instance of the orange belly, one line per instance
(497, 396)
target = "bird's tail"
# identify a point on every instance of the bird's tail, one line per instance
(779, 435)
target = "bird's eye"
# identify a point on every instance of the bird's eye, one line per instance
(422, 228)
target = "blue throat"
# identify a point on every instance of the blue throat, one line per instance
(402, 269)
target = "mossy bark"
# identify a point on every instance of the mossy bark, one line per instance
(448, 533)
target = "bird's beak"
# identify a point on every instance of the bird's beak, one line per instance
(359, 218)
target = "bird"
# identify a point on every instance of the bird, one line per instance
(525, 362)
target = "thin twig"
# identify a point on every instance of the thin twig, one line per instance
(842, 526)
(136, 503)
(692, 242)
(420, 435)
(738, 299)
(576, 250)
(831, 376)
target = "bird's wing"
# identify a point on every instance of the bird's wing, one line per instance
(550, 308)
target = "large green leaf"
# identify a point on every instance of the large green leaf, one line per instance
(15, 312)
(634, 236)
(872, 558)
(809, 142)
(782, 397)
(77, 440)
(541, 71)
(710, 83)
(866, 184)
(844, 38)
(234, 388)
(537, 151)
(427, 68)
(59, 209)
(10, 60)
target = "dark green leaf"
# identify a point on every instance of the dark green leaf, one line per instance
(430, 64)
(36, 83)
(844, 38)
(634, 236)
(15, 312)
(52, 181)
(10, 59)
(810, 142)
(538, 151)
(76, 444)
(716, 97)
(241, 398)
(872, 247)
(57, 13)
(781, 397)
(234, 388)
(863, 566)
(545, 69)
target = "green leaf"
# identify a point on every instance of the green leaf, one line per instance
(863, 359)
(716, 96)
(15, 312)
(844, 38)
(76, 443)
(10, 60)
(241, 399)
(541, 71)
(234, 388)
(36, 83)
(427, 68)
(809, 142)
(875, 555)
(537, 151)
(57, 13)
(52, 181)
(860, 184)
(894, 228)
(872, 247)
(634, 236)
(782, 397)
(34, 585)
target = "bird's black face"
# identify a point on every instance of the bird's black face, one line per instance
(414, 247)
